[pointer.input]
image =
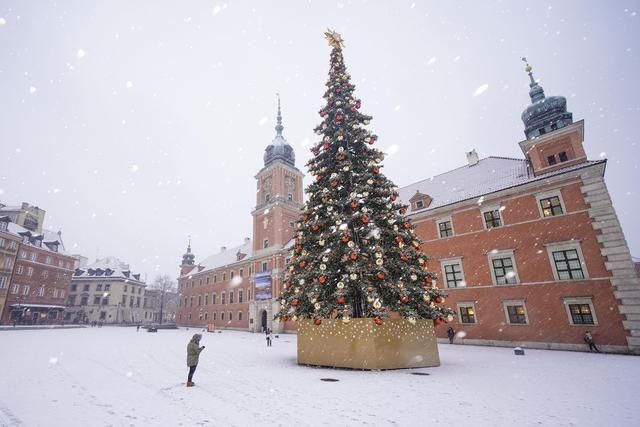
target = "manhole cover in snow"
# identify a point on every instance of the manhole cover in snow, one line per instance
(331, 380)
(419, 373)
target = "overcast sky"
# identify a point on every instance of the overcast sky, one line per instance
(136, 124)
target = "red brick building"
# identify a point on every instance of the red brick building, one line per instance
(530, 250)
(237, 287)
(40, 277)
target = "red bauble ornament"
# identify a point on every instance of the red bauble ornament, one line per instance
(365, 220)
(376, 169)
(354, 205)
(341, 157)
(285, 318)
(407, 225)
(340, 300)
(322, 279)
(438, 321)
(354, 255)
(302, 263)
(334, 183)
(380, 275)
(392, 197)
(315, 228)
(404, 299)
(339, 117)
(378, 321)
(398, 239)
(294, 302)
(404, 258)
(318, 178)
(317, 321)
(345, 239)
(438, 300)
(325, 146)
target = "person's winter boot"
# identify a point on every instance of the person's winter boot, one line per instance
(190, 384)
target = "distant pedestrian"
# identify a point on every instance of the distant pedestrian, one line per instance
(451, 333)
(193, 355)
(269, 337)
(588, 338)
(138, 327)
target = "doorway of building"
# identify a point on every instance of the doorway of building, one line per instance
(264, 320)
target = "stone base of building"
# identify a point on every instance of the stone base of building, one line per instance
(361, 344)
(615, 349)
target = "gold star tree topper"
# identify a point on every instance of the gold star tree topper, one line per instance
(334, 39)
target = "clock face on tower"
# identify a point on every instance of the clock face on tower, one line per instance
(267, 184)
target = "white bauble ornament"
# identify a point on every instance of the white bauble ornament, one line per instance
(365, 210)
(379, 261)
(353, 276)
(370, 181)
(377, 303)
(365, 194)
(378, 255)
(283, 302)
(412, 320)
(449, 318)
(297, 290)
(351, 244)
(340, 149)
(323, 267)
(346, 319)
(414, 277)
(316, 306)
(329, 208)
(301, 281)
(340, 137)
(426, 297)
(346, 168)
(370, 299)
(321, 242)
(340, 285)
(325, 258)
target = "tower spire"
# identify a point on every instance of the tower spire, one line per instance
(536, 93)
(279, 126)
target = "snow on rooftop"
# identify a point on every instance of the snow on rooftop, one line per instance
(489, 175)
(224, 257)
(115, 376)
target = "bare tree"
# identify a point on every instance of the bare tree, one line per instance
(163, 284)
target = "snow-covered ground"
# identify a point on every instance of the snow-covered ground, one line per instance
(120, 377)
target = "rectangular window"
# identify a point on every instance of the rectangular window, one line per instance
(232, 274)
(492, 218)
(222, 298)
(29, 271)
(551, 206)
(419, 204)
(250, 270)
(503, 271)
(8, 263)
(563, 156)
(230, 316)
(551, 160)
(125, 288)
(581, 314)
(453, 274)
(15, 288)
(199, 300)
(48, 260)
(13, 245)
(224, 276)
(206, 299)
(84, 300)
(72, 300)
(241, 272)
(215, 279)
(53, 315)
(239, 315)
(62, 293)
(240, 296)
(41, 291)
(19, 269)
(99, 287)
(264, 266)
(467, 314)
(25, 290)
(289, 196)
(103, 315)
(105, 301)
(516, 314)
(568, 265)
(265, 243)
(445, 228)
(222, 316)
(124, 300)
(96, 300)
(215, 315)
(3, 282)
(107, 287)
(213, 298)
(230, 297)
(206, 315)
(23, 254)
(34, 256)
(85, 288)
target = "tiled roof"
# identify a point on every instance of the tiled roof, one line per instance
(107, 268)
(469, 182)
(48, 237)
(222, 258)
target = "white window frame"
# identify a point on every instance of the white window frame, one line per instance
(441, 220)
(506, 253)
(513, 302)
(24, 254)
(8, 263)
(3, 282)
(419, 204)
(13, 244)
(29, 271)
(34, 256)
(41, 291)
(566, 246)
(451, 261)
(25, 290)
(467, 304)
(579, 300)
(19, 269)
(15, 288)
(490, 208)
(546, 195)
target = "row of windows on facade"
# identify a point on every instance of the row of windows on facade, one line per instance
(13, 245)
(492, 217)
(8, 263)
(579, 311)
(33, 256)
(189, 301)
(104, 300)
(40, 291)
(214, 279)
(107, 288)
(214, 316)
(567, 263)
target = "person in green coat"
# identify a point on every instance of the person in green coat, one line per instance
(193, 354)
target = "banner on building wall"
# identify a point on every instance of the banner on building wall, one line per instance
(263, 286)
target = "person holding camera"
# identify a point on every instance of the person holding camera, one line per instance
(193, 355)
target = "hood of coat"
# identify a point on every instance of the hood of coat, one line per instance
(196, 338)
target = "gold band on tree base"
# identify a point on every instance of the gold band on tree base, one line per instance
(361, 344)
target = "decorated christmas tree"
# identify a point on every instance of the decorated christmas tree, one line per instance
(355, 253)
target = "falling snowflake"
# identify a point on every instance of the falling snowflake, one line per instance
(397, 108)
(32, 90)
(393, 149)
(237, 280)
(216, 10)
(129, 84)
(80, 54)
(134, 168)
(263, 121)
(53, 360)
(129, 374)
(432, 61)
(603, 154)
(481, 89)
(2, 22)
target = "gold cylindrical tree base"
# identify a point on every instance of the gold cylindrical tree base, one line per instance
(361, 344)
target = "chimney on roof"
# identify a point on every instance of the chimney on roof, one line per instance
(223, 248)
(472, 157)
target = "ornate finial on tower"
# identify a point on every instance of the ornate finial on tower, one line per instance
(334, 39)
(279, 126)
(528, 69)
(188, 258)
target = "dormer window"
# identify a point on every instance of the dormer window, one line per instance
(420, 201)
(563, 156)
(420, 204)
(551, 160)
